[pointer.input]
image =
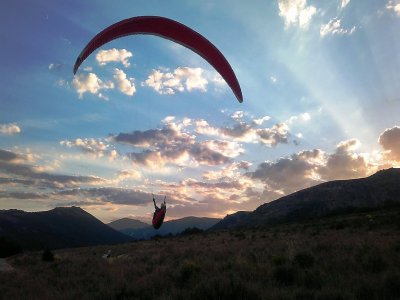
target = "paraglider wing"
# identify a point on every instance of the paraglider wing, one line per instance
(158, 218)
(171, 30)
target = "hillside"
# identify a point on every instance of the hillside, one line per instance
(172, 227)
(352, 256)
(127, 223)
(57, 228)
(378, 190)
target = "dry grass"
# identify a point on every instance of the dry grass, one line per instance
(335, 258)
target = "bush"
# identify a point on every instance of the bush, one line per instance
(285, 275)
(8, 247)
(374, 263)
(391, 286)
(191, 230)
(186, 272)
(47, 255)
(279, 260)
(223, 288)
(304, 260)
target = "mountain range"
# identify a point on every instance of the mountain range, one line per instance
(168, 227)
(379, 190)
(61, 227)
(65, 227)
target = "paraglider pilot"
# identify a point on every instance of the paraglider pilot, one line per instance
(159, 213)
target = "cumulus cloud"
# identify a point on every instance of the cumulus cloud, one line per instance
(390, 142)
(123, 175)
(249, 131)
(310, 167)
(10, 129)
(173, 144)
(90, 83)
(124, 84)
(394, 5)
(296, 12)
(181, 79)
(97, 147)
(107, 195)
(344, 163)
(17, 168)
(114, 55)
(227, 172)
(334, 27)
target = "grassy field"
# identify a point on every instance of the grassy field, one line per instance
(355, 256)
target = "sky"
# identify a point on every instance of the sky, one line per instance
(143, 115)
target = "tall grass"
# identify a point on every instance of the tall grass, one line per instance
(353, 261)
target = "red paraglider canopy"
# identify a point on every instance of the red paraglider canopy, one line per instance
(158, 218)
(171, 30)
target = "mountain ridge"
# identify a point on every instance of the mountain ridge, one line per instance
(377, 190)
(61, 227)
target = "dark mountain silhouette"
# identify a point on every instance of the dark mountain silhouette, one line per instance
(378, 190)
(171, 227)
(61, 227)
(127, 223)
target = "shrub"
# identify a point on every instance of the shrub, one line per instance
(191, 230)
(391, 286)
(305, 295)
(284, 275)
(311, 280)
(223, 288)
(47, 255)
(279, 260)
(304, 260)
(8, 247)
(374, 263)
(186, 272)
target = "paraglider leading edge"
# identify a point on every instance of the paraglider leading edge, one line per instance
(171, 30)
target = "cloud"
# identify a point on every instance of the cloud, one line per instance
(334, 27)
(97, 147)
(344, 3)
(105, 195)
(124, 84)
(227, 172)
(247, 132)
(310, 167)
(90, 83)
(22, 195)
(390, 142)
(10, 129)
(216, 198)
(114, 55)
(296, 12)
(123, 175)
(173, 144)
(180, 80)
(394, 5)
(344, 163)
(17, 168)
(288, 174)
(55, 67)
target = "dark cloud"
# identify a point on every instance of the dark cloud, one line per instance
(170, 145)
(287, 174)
(110, 195)
(310, 167)
(154, 137)
(8, 155)
(22, 195)
(390, 142)
(21, 172)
